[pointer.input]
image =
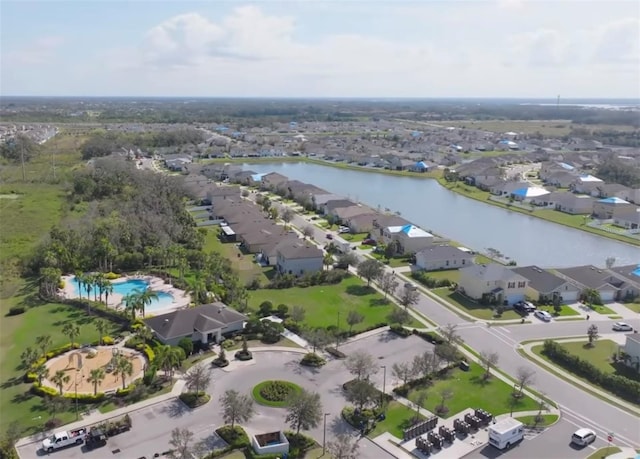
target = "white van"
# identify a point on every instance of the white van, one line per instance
(506, 433)
(583, 437)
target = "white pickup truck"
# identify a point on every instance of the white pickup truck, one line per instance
(63, 439)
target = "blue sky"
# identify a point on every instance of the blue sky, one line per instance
(321, 48)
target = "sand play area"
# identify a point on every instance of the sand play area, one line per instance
(91, 358)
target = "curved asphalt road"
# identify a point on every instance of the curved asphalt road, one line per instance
(578, 406)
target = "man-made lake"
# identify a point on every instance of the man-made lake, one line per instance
(477, 225)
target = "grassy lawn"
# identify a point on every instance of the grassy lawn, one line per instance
(395, 262)
(359, 237)
(635, 307)
(599, 355)
(471, 391)
(470, 307)
(547, 420)
(601, 309)
(323, 303)
(18, 332)
(237, 454)
(398, 418)
(247, 268)
(564, 312)
(284, 342)
(452, 274)
(604, 452)
(285, 388)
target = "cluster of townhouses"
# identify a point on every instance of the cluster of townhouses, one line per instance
(564, 188)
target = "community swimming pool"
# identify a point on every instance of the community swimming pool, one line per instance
(124, 288)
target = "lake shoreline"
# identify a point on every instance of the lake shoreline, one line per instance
(436, 175)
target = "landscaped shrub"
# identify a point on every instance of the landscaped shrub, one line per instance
(400, 330)
(227, 344)
(107, 341)
(433, 338)
(236, 437)
(85, 398)
(42, 391)
(312, 360)
(299, 444)
(187, 346)
(265, 308)
(194, 399)
(621, 386)
(16, 310)
(276, 391)
(148, 353)
(271, 332)
(111, 276)
(241, 355)
(336, 352)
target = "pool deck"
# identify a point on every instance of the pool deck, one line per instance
(181, 299)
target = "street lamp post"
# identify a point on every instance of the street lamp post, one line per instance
(76, 387)
(324, 434)
(384, 383)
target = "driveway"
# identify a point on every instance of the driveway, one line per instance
(152, 426)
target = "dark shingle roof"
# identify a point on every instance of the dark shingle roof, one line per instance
(184, 321)
(292, 249)
(444, 252)
(539, 279)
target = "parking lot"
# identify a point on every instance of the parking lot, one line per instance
(152, 426)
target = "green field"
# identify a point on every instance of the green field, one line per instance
(323, 303)
(18, 332)
(472, 308)
(243, 263)
(398, 417)
(599, 355)
(452, 274)
(396, 262)
(471, 391)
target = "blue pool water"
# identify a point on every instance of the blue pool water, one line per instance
(124, 288)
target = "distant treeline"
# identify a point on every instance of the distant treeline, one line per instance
(614, 170)
(104, 143)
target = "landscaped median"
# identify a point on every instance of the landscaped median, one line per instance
(590, 367)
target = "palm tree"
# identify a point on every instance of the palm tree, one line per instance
(100, 281)
(41, 372)
(131, 303)
(145, 333)
(196, 287)
(108, 290)
(183, 265)
(60, 379)
(29, 357)
(88, 284)
(146, 298)
(168, 358)
(124, 368)
(44, 343)
(80, 280)
(96, 376)
(101, 327)
(72, 331)
(327, 260)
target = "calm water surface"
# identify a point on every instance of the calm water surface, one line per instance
(526, 239)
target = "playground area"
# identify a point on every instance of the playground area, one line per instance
(79, 363)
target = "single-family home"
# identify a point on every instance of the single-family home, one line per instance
(298, 257)
(320, 199)
(343, 214)
(492, 282)
(631, 195)
(631, 274)
(610, 190)
(544, 286)
(329, 206)
(607, 207)
(505, 188)
(575, 204)
(610, 285)
(631, 350)
(382, 222)
(560, 179)
(272, 181)
(586, 184)
(207, 323)
(443, 257)
(260, 237)
(362, 223)
(411, 239)
(627, 218)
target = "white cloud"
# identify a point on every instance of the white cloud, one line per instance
(40, 51)
(619, 41)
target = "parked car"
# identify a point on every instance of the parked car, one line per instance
(329, 236)
(524, 307)
(543, 315)
(583, 437)
(622, 326)
(369, 242)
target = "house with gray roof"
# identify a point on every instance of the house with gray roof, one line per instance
(272, 181)
(205, 324)
(628, 218)
(608, 207)
(631, 274)
(331, 205)
(575, 204)
(492, 282)
(610, 285)
(361, 223)
(544, 286)
(298, 257)
(443, 257)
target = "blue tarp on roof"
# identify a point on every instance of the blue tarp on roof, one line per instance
(636, 272)
(421, 165)
(406, 228)
(566, 166)
(520, 192)
(257, 177)
(613, 200)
